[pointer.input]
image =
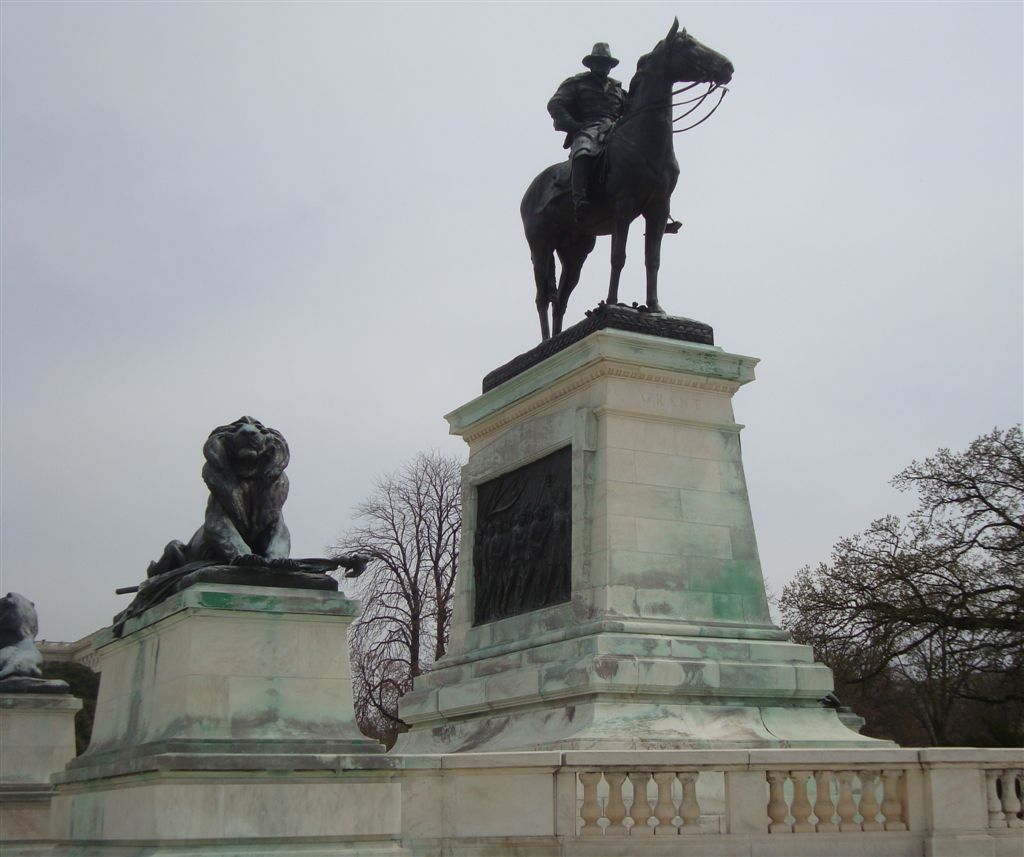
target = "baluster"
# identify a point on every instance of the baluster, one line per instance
(1011, 803)
(689, 809)
(777, 809)
(823, 808)
(892, 806)
(996, 818)
(615, 810)
(590, 812)
(640, 812)
(846, 809)
(801, 808)
(1019, 780)
(664, 809)
(869, 800)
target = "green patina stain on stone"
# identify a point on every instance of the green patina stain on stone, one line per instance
(221, 600)
(726, 607)
(755, 608)
(734, 577)
(226, 601)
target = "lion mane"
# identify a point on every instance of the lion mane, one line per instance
(244, 470)
(19, 625)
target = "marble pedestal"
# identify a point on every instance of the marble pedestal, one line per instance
(666, 641)
(224, 717)
(37, 739)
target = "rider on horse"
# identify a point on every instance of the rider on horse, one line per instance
(585, 107)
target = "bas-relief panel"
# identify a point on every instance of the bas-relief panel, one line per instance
(522, 546)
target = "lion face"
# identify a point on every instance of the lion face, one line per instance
(247, 449)
(18, 619)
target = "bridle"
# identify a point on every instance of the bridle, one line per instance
(661, 104)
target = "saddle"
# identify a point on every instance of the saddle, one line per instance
(562, 179)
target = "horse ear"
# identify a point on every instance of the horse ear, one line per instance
(672, 31)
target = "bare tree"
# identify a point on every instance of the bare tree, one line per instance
(933, 605)
(409, 528)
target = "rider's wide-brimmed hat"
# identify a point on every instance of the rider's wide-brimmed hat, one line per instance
(600, 52)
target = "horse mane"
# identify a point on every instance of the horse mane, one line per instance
(640, 74)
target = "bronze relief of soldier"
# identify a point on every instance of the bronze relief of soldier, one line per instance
(585, 107)
(522, 540)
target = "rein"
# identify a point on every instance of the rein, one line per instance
(661, 104)
(699, 101)
(721, 98)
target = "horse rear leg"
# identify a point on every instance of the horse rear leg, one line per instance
(572, 259)
(544, 278)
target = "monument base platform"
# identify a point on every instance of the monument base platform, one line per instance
(883, 802)
(646, 623)
(613, 725)
(631, 688)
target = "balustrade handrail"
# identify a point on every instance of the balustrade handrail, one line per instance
(864, 793)
(791, 759)
(624, 761)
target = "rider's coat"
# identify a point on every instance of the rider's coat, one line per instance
(585, 108)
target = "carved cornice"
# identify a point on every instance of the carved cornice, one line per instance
(519, 410)
(634, 356)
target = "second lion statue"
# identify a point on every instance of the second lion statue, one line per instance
(244, 471)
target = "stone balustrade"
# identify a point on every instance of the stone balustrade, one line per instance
(954, 802)
(866, 798)
(831, 801)
(1003, 789)
(886, 803)
(656, 799)
(652, 801)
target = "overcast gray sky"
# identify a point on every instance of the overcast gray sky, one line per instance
(309, 213)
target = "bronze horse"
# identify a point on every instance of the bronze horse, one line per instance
(639, 172)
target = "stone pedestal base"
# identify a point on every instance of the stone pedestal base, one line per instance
(37, 739)
(225, 672)
(666, 640)
(616, 690)
(225, 717)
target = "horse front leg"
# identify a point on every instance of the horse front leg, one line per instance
(655, 222)
(545, 331)
(567, 282)
(619, 236)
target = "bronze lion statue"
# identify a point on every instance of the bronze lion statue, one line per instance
(244, 471)
(20, 661)
(19, 625)
(243, 539)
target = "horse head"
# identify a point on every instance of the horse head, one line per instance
(687, 60)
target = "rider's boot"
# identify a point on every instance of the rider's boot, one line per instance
(580, 182)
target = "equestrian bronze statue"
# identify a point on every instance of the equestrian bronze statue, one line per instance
(622, 165)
